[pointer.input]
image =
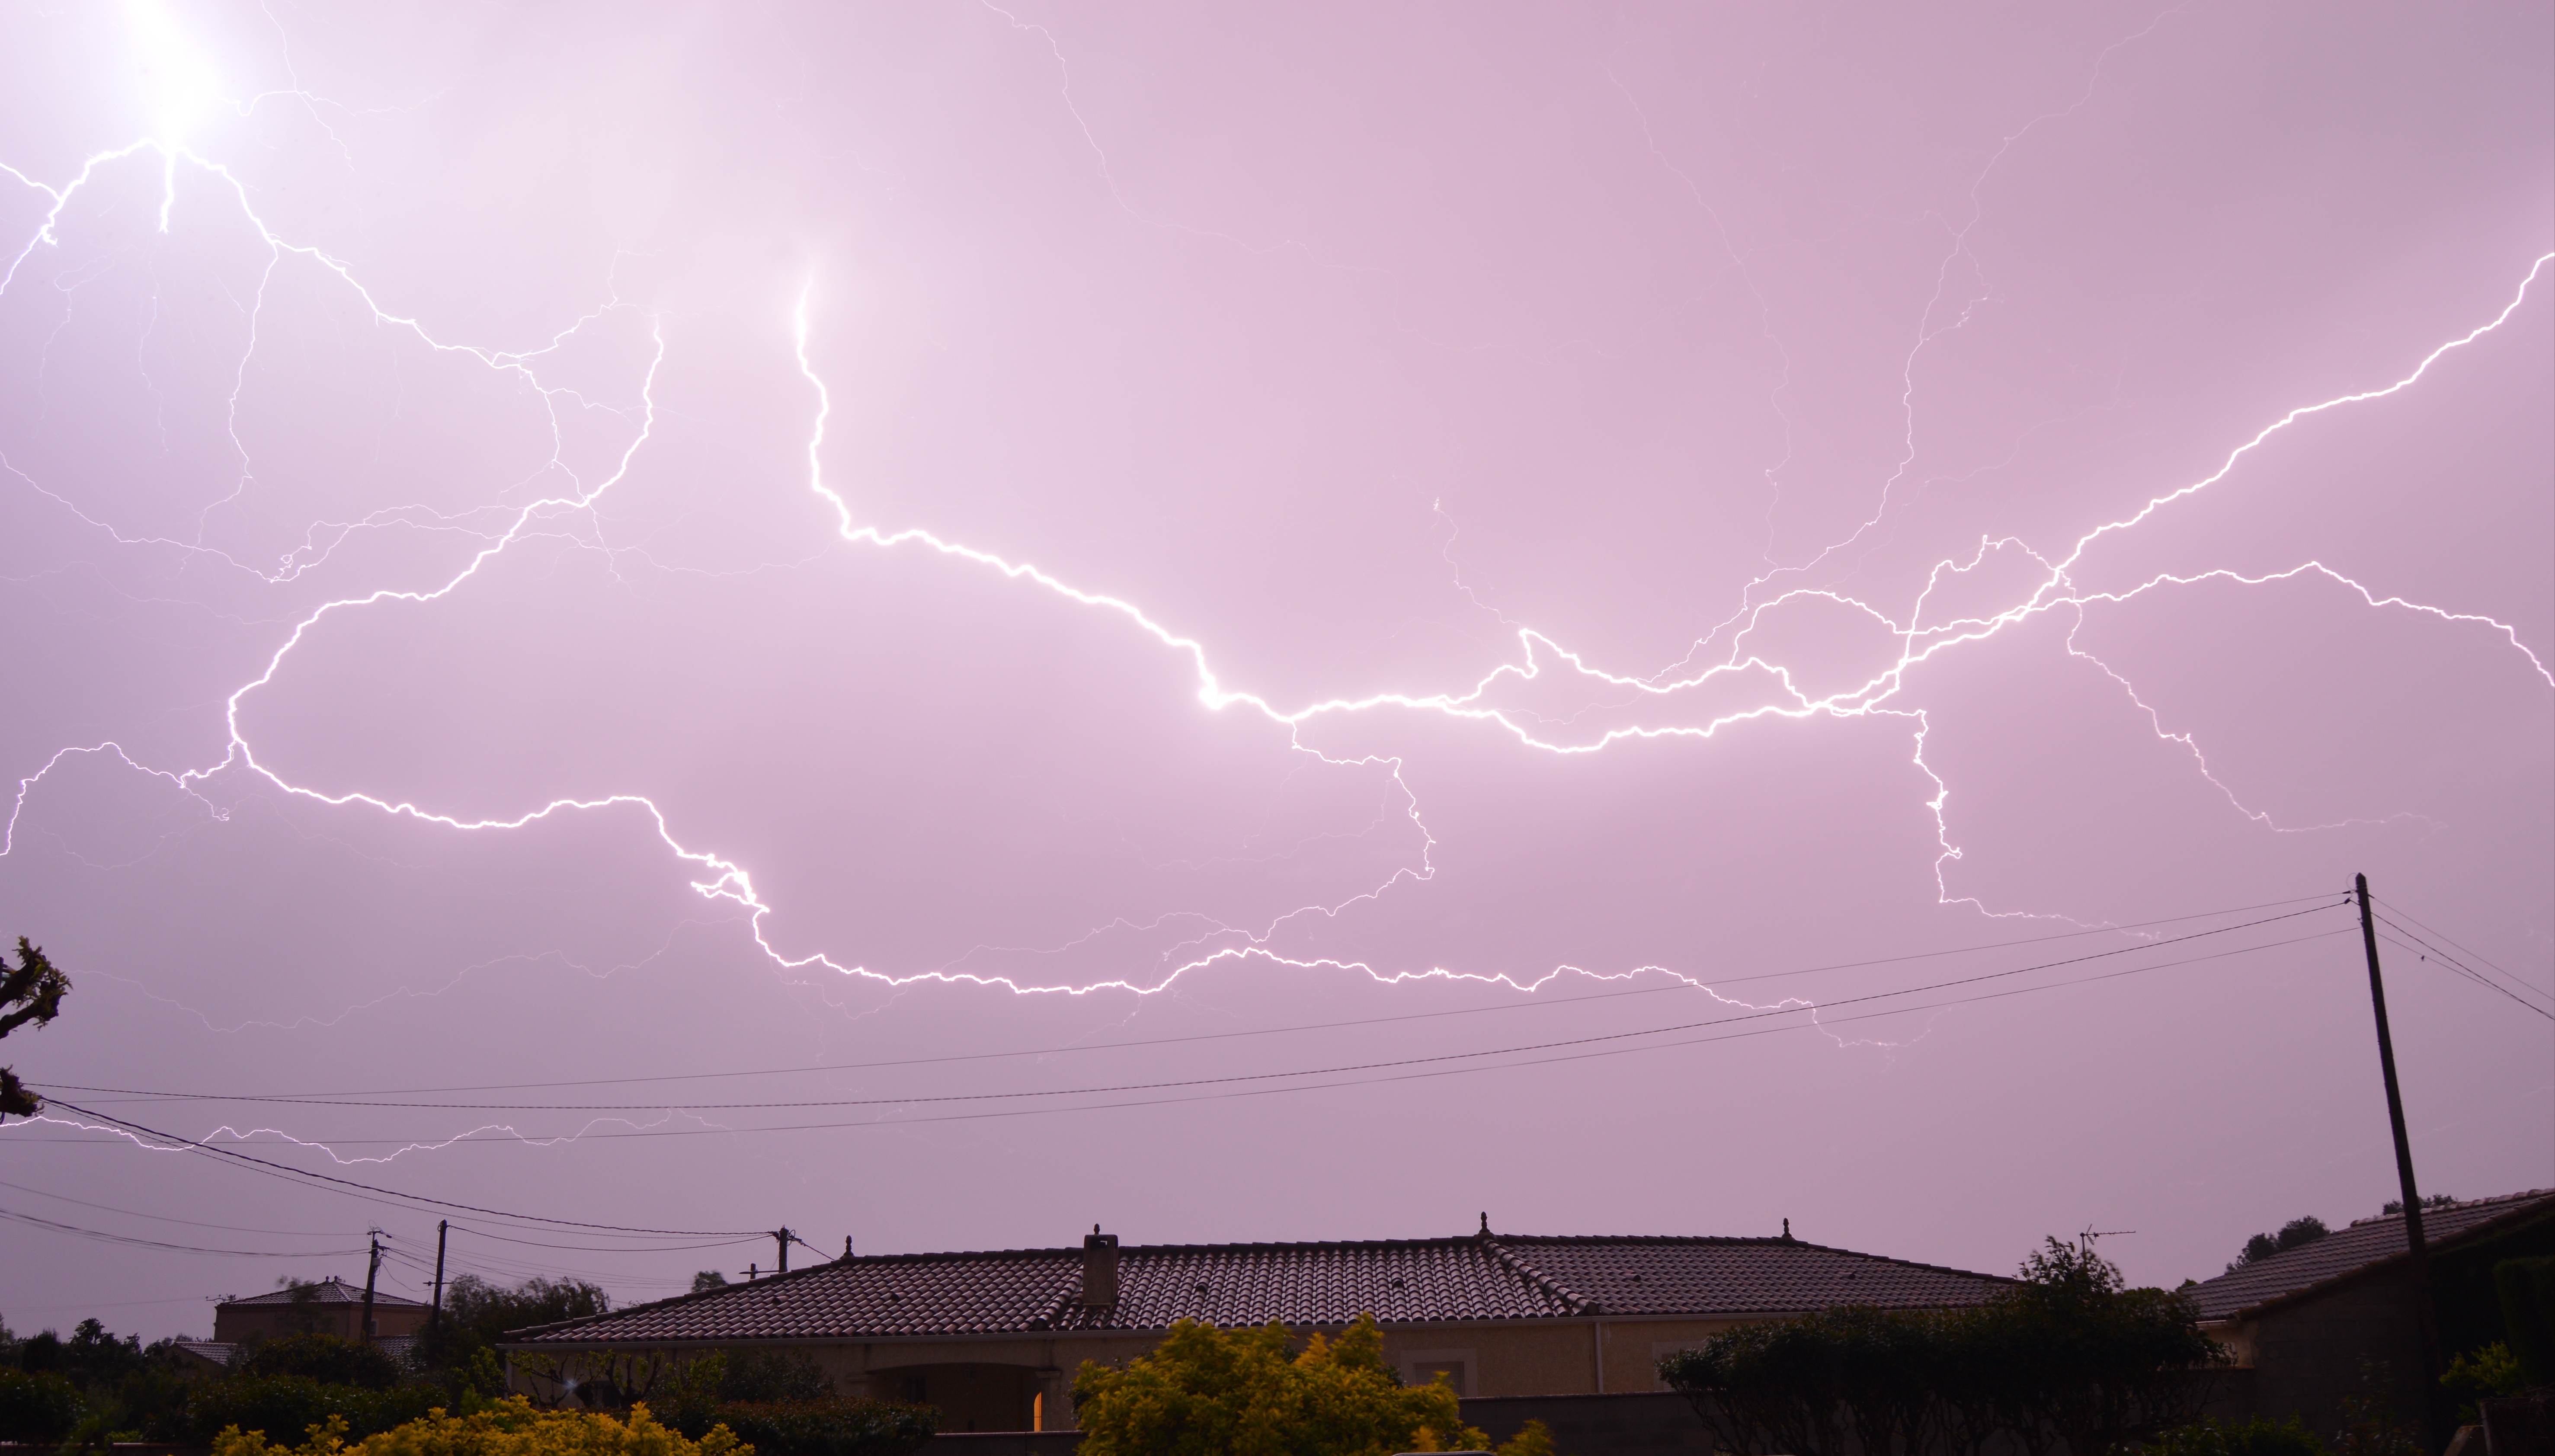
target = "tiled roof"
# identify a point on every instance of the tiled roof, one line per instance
(2347, 1251)
(1740, 1276)
(330, 1290)
(1407, 1282)
(219, 1351)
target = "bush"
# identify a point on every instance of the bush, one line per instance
(37, 1408)
(325, 1359)
(1248, 1393)
(509, 1427)
(2255, 1437)
(826, 1427)
(2064, 1357)
(285, 1406)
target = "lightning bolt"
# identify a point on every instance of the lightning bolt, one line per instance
(1658, 703)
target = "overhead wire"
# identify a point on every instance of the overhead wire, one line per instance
(2418, 952)
(2425, 950)
(1681, 985)
(1181, 1083)
(2469, 954)
(1440, 1071)
(103, 1236)
(277, 1170)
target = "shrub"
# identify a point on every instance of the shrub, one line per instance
(2065, 1356)
(509, 1427)
(285, 1406)
(325, 1359)
(2254, 1437)
(828, 1428)
(1250, 1394)
(37, 1408)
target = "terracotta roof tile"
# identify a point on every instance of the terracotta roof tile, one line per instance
(1411, 1281)
(331, 1290)
(2347, 1251)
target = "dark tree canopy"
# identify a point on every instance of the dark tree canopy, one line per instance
(33, 992)
(2067, 1357)
(2294, 1234)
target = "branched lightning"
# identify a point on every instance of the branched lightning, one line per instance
(1670, 705)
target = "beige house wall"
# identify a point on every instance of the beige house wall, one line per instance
(1544, 1357)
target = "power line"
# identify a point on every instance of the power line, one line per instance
(2418, 951)
(2425, 950)
(1187, 1082)
(403, 1199)
(1444, 1071)
(144, 1095)
(2416, 919)
(167, 1219)
(105, 1237)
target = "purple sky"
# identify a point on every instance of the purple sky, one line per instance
(544, 545)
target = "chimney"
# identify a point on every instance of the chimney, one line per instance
(1099, 1270)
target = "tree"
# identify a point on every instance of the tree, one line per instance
(1204, 1392)
(2065, 1357)
(708, 1279)
(33, 992)
(2294, 1234)
(326, 1359)
(2429, 1200)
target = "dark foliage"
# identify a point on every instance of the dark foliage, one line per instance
(2065, 1359)
(2429, 1200)
(37, 1408)
(708, 1279)
(477, 1312)
(2526, 1287)
(458, 1350)
(825, 1427)
(41, 1352)
(285, 1405)
(786, 1375)
(2254, 1437)
(34, 993)
(2296, 1233)
(325, 1359)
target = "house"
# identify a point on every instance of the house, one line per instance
(993, 1339)
(328, 1307)
(2301, 1322)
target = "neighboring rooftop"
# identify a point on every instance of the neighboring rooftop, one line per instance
(2348, 1251)
(330, 1290)
(1400, 1282)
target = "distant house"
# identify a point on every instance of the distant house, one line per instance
(994, 1339)
(2301, 1322)
(328, 1307)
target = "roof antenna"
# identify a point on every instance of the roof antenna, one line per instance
(1485, 1221)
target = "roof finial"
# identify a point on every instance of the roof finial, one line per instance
(1485, 1223)
(1787, 1231)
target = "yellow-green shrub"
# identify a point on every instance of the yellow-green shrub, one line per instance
(509, 1427)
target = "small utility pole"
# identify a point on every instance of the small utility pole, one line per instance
(434, 1316)
(371, 1272)
(2419, 1260)
(781, 1236)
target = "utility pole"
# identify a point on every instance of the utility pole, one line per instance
(372, 1270)
(434, 1316)
(2419, 1260)
(782, 1236)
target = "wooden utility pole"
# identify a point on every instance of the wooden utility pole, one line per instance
(780, 1236)
(434, 1316)
(2418, 1261)
(372, 1270)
